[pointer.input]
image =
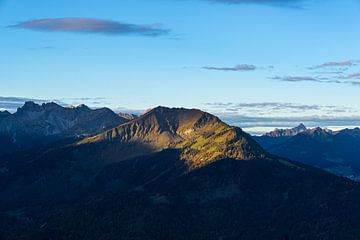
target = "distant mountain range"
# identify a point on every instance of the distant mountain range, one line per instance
(33, 124)
(279, 136)
(334, 151)
(171, 173)
(128, 116)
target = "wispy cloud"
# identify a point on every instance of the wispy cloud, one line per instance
(277, 3)
(90, 25)
(328, 73)
(91, 101)
(259, 125)
(348, 63)
(237, 68)
(347, 79)
(42, 48)
(351, 76)
(296, 79)
(270, 106)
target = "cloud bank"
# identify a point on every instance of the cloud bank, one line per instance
(260, 117)
(11, 104)
(91, 26)
(260, 125)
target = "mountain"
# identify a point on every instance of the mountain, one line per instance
(337, 152)
(4, 114)
(279, 136)
(202, 137)
(128, 116)
(35, 124)
(171, 174)
(287, 132)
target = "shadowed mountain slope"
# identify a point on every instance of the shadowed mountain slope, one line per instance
(172, 174)
(334, 151)
(278, 136)
(337, 152)
(35, 124)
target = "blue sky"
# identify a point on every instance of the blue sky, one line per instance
(258, 64)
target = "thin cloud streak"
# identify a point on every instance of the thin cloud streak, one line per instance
(334, 80)
(296, 79)
(264, 107)
(348, 63)
(296, 4)
(351, 76)
(91, 26)
(328, 73)
(237, 68)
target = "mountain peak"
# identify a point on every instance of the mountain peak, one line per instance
(301, 127)
(318, 131)
(35, 124)
(201, 137)
(289, 132)
(51, 106)
(5, 113)
(83, 106)
(30, 106)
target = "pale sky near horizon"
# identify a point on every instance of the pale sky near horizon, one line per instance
(258, 64)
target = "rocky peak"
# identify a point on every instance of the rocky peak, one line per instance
(287, 132)
(4, 113)
(83, 107)
(318, 131)
(201, 137)
(51, 106)
(30, 106)
(300, 128)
